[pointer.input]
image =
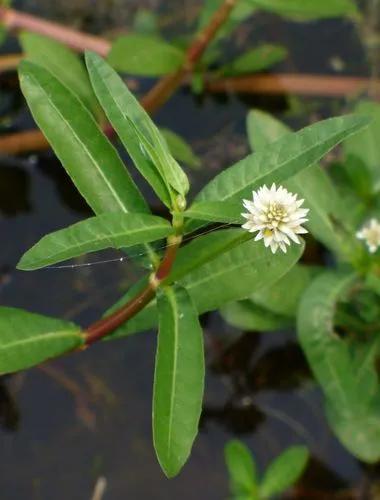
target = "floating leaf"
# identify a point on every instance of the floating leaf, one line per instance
(27, 339)
(144, 55)
(109, 230)
(178, 379)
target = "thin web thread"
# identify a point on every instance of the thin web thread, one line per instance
(137, 255)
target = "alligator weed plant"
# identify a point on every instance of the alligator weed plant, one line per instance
(258, 209)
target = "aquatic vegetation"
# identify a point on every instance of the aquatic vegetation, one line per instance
(201, 253)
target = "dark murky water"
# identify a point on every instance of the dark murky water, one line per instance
(90, 414)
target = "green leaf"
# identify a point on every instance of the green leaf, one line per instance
(216, 211)
(63, 63)
(109, 230)
(280, 160)
(263, 128)
(241, 468)
(28, 339)
(144, 55)
(237, 274)
(138, 133)
(178, 379)
(309, 9)
(283, 297)
(249, 316)
(258, 59)
(88, 157)
(284, 471)
(364, 146)
(122, 108)
(157, 150)
(205, 248)
(327, 353)
(358, 431)
(348, 381)
(364, 366)
(233, 275)
(180, 149)
(312, 184)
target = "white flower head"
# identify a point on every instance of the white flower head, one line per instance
(370, 233)
(277, 216)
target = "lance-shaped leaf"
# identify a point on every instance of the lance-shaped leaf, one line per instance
(242, 469)
(308, 9)
(27, 339)
(88, 157)
(233, 275)
(138, 133)
(284, 471)
(63, 63)
(144, 55)
(118, 104)
(205, 248)
(280, 160)
(109, 230)
(157, 150)
(216, 211)
(178, 379)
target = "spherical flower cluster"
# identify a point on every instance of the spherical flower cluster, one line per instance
(276, 214)
(370, 233)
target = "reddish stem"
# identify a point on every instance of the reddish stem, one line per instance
(166, 87)
(14, 20)
(107, 325)
(321, 85)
